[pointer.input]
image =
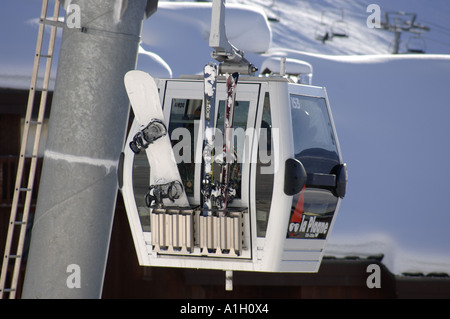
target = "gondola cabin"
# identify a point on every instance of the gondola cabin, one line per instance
(288, 171)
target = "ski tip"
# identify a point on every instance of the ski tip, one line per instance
(210, 69)
(232, 78)
(236, 76)
(211, 65)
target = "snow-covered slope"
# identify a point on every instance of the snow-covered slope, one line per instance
(390, 111)
(299, 20)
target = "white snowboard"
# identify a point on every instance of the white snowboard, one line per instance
(144, 98)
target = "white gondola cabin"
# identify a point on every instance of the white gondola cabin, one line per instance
(289, 173)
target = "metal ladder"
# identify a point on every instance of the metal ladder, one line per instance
(20, 220)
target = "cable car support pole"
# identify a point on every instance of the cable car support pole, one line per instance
(88, 120)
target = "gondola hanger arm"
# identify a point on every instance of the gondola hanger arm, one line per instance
(231, 58)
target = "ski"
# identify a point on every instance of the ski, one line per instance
(228, 190)
(209, 104)
(165, 181)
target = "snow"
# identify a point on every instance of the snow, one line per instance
(256, 37)
(293, 65)
(151, 61)
(108, 164)
(390, 111)
(189, 24)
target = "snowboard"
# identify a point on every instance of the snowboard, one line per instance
(166, 188)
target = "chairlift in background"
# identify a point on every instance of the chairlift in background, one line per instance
(273, 16)
(398, 22)
(339, 28)
(416, 44)
(322, 32)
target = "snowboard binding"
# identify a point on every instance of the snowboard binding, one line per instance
(153, 131)
(158, 192)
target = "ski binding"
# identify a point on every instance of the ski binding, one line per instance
(158, 192)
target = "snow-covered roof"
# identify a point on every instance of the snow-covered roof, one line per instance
(391, 112)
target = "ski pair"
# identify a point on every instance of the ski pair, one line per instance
(217, 194)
